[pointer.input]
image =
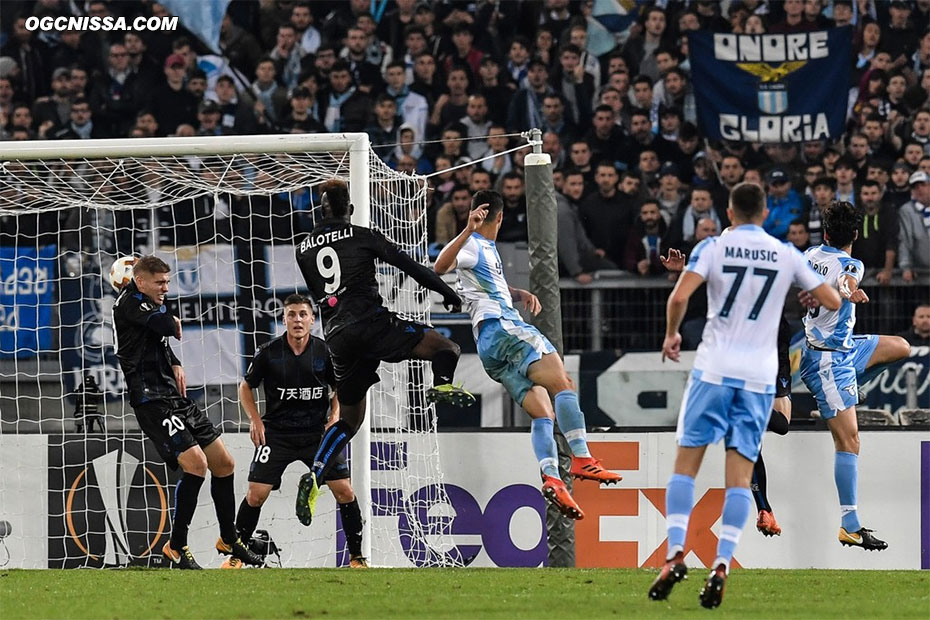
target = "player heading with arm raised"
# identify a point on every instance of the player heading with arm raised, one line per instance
(337, 260)
(516, 354)
(182, 433)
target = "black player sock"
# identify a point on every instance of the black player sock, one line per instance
(333, 442)
(185, 502)
(778, 423)
(247, 520)
(444, 363)
(224, 500)
(759, 485)
(352, 526)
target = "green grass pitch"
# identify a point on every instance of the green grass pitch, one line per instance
(454, 593)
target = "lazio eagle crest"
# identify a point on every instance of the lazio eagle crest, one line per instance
(772, 94)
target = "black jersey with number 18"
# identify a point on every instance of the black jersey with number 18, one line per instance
(337, 260)
(296, 386)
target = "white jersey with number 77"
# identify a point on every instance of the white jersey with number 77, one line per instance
(748, 274)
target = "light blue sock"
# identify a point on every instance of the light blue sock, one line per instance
(679, 500)
(846, 474)
(571, 421)
(544, 446)
(737, 504)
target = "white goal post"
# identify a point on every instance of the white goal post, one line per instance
(109, 176)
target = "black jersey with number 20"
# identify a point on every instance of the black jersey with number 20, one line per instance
(337, 260)
(145, 357)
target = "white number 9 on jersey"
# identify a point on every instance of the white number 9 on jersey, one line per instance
(330, 272)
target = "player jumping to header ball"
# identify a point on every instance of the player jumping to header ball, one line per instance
(516, 354)
(337, 260)
(834, 362)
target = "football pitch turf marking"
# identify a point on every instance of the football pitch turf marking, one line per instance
(453, 593)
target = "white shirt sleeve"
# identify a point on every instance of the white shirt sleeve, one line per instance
(804, 275)
(701, 259)
(852, 267)
(468, 256)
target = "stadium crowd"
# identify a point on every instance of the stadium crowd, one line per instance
(441, 87)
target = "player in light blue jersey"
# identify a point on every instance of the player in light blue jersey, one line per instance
(834, 361)
(731, 389)
(516, 354)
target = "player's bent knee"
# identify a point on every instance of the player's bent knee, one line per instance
(902, 347)
(193, 461)
(257, 496)
(342, 491)
(562, 384)
(441, 343)
(223, 465)
(848, 443)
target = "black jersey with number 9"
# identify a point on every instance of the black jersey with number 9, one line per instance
(337, 260)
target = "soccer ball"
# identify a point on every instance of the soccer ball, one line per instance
(121, 271)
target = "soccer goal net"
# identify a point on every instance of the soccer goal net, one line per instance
(225, 214)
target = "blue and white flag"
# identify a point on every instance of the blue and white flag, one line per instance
(202, 17)
(616, 15)
(771, 87)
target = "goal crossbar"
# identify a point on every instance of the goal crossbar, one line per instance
(115, 148)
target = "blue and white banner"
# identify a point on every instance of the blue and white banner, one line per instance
(27, 277)
(772, 87)
(202, 17)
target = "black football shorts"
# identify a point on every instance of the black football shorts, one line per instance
(357, 350)
(283, 448)
(175, 425)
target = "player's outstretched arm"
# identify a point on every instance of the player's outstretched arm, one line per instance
(424, 276)
(448, 258)
(256, 426)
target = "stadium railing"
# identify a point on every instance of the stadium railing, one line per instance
(627, 312)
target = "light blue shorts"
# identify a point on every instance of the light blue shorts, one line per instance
(831, 375)
(507, 348)
(711, 412)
